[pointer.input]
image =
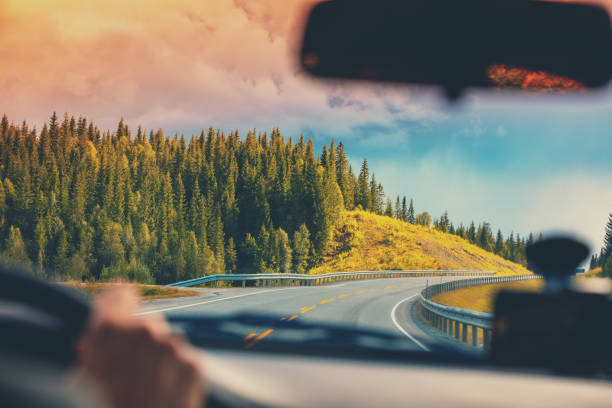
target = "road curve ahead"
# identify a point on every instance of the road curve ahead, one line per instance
(379, 304)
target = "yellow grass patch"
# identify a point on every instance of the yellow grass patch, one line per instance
(365, 241)
(593, 273)
(146, 292)
(480, 298)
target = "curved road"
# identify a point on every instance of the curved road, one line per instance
(381, 304)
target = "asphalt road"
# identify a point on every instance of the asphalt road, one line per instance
(380, 304)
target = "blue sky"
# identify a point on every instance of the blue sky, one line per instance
(524, 164)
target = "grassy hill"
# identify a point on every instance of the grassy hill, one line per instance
(365, 241)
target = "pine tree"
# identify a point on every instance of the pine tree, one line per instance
(343, 177)
(594, 262)
(404, 211)
(471, 233)
(499, 243)
(410, 214)
(398, 209)
(484, 237)
(606, 269)
(15, 251)
(300, 244)
(230, 256)
(607, 246)
(444, 222)
(389, 208)
(364, 193)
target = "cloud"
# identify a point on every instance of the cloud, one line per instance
(180, 65)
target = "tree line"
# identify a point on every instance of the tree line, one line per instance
(80, 203)
(604, 259)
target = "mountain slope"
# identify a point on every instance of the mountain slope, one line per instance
(365, 241)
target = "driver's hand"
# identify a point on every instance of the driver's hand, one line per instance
(137, 361)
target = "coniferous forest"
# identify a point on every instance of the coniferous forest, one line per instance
(80, 203)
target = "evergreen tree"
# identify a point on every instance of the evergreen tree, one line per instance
(389, 209)
(607, 246)
(404, 211)
(300, 244)
(484, 237)
(606, 269)
(231, 256)
(410, 213)
(398, 209)
(15, 251)
(344, 177)
(364, 194)
(499, 244)
(471, 233)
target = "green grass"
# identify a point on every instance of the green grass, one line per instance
(365, 241)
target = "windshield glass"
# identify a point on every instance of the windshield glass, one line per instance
(179, 142)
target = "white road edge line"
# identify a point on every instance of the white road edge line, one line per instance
(400, 328)
(204, 302)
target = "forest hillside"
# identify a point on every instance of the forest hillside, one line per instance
(79, 203)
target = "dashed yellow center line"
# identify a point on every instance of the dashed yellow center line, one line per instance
(307, 309)
(390, 287)
(326, 301)
(258, 339)
(345, 295)
(360, 292)
(249, 336)
(406, 284)
(292, 317)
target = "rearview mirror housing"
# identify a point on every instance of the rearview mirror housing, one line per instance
(454, 44)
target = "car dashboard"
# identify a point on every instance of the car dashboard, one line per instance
(269, 380)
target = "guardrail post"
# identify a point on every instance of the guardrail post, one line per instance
(464, 332)
(486, 339)
(474, 336)
(457, 327)
(243, 283)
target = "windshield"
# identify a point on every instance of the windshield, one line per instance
(166, 142)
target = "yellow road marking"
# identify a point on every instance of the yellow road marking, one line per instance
(326, 301)
(258, 339)
(345, 295)
(359, 292)
(292, 317)
(307, 309)
(389, 287)
(250, 336)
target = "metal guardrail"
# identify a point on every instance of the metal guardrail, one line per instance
(290, 279)
(456, 322)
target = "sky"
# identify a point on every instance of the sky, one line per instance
(523, 164)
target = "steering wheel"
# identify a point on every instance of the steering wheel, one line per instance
(39, 320)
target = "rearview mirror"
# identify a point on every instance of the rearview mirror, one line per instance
(461, 44)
